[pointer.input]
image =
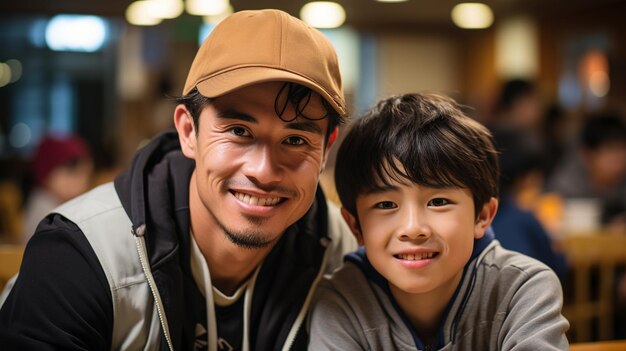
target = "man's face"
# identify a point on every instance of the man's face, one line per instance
(256, 174)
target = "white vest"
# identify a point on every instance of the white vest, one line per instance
(100, 216)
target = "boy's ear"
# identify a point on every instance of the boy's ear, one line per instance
(353, 224)
(485, 217)
(186, 131)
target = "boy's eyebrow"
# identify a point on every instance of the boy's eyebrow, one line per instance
(303, 125)
(379, 189)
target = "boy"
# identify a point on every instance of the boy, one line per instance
(418, 183)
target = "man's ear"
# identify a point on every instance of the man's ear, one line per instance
(331, 140)
(353, 223)
(485, 217)
(186, 131)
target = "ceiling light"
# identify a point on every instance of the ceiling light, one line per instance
(76, 33)
(206, 7)
(472, 15)
(140, 13)
(166, 8)
(5, 74)
(392, 0)
(215, 19)
(323, 14)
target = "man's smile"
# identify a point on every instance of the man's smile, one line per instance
(257, 200)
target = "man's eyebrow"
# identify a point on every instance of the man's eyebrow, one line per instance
(236, 115)
(306, 126)
(301, 125)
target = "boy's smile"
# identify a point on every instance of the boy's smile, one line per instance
(416, 258)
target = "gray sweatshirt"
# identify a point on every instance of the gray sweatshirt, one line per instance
(505, 301)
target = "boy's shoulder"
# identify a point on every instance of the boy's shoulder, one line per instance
(504, 260)
(346, 278)
(508, 272)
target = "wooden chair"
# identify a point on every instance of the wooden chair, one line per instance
(590, 288)
(10, 261)
(11, 228)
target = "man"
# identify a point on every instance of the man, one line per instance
(230, 233)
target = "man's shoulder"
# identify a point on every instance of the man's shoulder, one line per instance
(101, 199)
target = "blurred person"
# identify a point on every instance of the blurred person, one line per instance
(519, 107)
(518, 229)
(556, 135)
(218, 233)
(63, 168)
(595, 169)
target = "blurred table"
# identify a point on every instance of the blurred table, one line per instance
(616, 345)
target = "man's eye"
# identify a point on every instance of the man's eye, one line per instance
(239, 131)
(295, 140)
(438, 202)
(385, 205)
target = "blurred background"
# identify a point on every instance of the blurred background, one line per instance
(83, 84)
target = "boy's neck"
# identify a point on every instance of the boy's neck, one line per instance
(425, 310)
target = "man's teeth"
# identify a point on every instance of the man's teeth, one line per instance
(411, 257)
(257, 201)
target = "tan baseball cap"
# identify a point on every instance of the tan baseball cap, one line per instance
(251, 47)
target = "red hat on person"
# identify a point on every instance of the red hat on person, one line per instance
(56, 151)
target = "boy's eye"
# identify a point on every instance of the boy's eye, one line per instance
(240, 131)
(385, 205)
(295, 140)
(438, 202)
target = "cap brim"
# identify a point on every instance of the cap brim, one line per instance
(226, 82)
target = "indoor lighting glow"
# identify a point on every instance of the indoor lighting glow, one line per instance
(215, 19)
(323, 14)
(20, 135)
(76, 33)
(5, 74)
(599, 83)
(16, 69)
(206, 7)
(472, 15)
(392, 0)
(167, 8)
(139, 13)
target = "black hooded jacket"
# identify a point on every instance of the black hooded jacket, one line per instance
(62, 300)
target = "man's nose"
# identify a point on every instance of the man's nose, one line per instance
(263, 166)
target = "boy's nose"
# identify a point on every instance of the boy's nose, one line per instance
(413, 226)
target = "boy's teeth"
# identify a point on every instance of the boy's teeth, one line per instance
(412, 257)
(257, 201)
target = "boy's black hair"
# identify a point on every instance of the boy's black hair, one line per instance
(433, 142)
(297, 95)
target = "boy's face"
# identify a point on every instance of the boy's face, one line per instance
(417, 237)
